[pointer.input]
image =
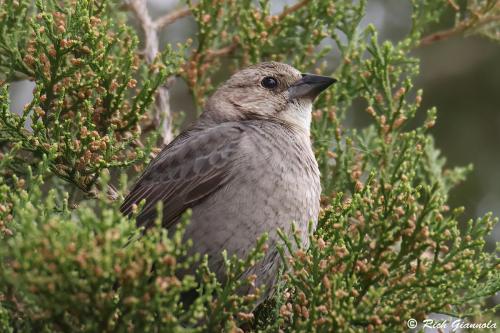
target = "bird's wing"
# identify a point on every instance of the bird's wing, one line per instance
(188, 170)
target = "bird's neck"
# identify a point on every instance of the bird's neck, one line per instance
(298, 115)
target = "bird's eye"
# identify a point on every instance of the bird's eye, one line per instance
(269, 82)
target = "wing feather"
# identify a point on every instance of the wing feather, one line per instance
(192, 167)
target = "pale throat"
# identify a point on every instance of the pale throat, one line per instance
(298, 114)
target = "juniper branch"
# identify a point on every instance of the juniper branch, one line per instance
(172, 17)
(162, 113)
(481, 15)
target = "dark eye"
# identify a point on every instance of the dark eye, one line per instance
(269, 82)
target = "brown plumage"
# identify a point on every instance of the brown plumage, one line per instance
(245, 168)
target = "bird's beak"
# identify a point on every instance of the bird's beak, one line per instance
(309, 86)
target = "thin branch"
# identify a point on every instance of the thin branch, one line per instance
(140, 11)
(211, 54)
(458, 29)
(294, 8)
(170, 18)
(162, 114)
(440, 35)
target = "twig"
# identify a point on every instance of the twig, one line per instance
(458, 29)
(170, 18)
(453, 5)
(292, 9)
(162, 114)
(211, 54)
(440, 35)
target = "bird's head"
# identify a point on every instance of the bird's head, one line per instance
(269, 90)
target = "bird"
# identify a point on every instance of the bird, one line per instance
(246, 167)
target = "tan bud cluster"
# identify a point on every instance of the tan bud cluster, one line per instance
(331, 9)
(340, 251)
(59, 18)
(40, 113)
(326, 282)
(322, 309)
(206, 18)
(84, 132)
(430, 123)
(331, 154)
(301, 255)
(305, 312)
(321, 244)
(399, 121)
(286, 310)
(97, 145)
(246, 316)
(384, 269)
(371, 111)
(400, 92)
(376, 320)
(424, 232)
(76, 61)
(418, 100)
(358, 186)
(332, 114)
(113, 85)
(256, 15)
(302, 298)
(399, 211)
(382, 119)
(444, 249)
(448, 266)
(169, 260)
(323, 264)
(132, 83)
(29, 60)
(52, 51)
(95, 21)
(356, 173)
(447, 234)
(317, 115)
(20, 183)
(362, 266)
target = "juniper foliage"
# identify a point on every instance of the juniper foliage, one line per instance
(387, 247)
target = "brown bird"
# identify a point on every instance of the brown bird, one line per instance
(245, 168)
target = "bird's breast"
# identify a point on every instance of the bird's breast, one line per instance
(274, 184)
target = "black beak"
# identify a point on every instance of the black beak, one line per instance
(309, 86)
